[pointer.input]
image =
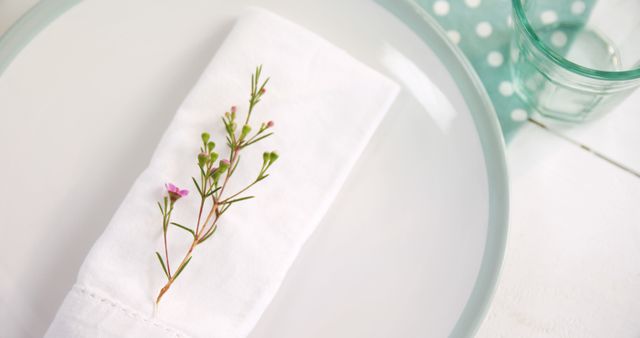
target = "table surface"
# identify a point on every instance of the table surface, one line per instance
(572, 267)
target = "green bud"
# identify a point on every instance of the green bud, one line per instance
(223, 166)
(246, 129)
(202, 159)
(266, 156)
(234, 126)
(216, 176)
(205, 137)
(211, 145)
(273, 157)
(213, 157)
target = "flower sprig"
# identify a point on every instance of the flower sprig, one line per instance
(215, 174)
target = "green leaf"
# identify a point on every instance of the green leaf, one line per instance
(212, 192)
(181, 268)
(164, 268)
(262, 177)
(264, 84)
(197, 185)
(224, 208)
(184, 228)
(258, 139)
(209, 234)
(239, 199)
(161, 210)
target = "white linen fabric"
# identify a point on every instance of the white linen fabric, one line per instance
(325, 105)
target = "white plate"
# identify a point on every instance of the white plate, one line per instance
(411, 247)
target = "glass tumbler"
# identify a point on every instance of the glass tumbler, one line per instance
(574, 60)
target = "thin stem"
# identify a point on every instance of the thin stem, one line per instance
(239, 192)
(203, 199)
(216, 203)
(164, 230)
(251, 105)
(204, 230)
(199, 234)
(166, 287)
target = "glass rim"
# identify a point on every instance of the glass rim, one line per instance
(523, 21)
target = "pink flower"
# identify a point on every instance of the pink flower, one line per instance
(270, 124)
(175, 193)
(234, 109)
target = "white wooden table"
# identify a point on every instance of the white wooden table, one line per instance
(572, 267)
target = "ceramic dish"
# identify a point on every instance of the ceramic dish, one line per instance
(411, 247)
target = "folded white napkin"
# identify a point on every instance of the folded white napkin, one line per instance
(325, 105)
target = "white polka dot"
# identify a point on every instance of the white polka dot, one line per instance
(578, 7)
(472, 3)
(518, 114)
(495, 59)
(558, 39)
(505, 88)
(454, 36)
(484, 29)
(548, 17)
(441, 8)
(509, 21)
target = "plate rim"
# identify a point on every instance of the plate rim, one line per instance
(493, 148)
(36, 19)
(28, 26)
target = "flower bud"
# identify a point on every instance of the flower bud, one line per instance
(234, 126)
(224, 165)
(263, 90)
(233, 112)
(205, 137)
(273, 157)
(213, 157)
(270, 124)
(202, 159)
(265, 157)
(211, 145)
(246, 129)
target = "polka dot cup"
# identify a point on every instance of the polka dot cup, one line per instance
(574, 67)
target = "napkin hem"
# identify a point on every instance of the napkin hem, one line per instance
(104, 300)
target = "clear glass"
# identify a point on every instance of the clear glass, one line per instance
(577, 61)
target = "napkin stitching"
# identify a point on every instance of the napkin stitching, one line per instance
(83, 291)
